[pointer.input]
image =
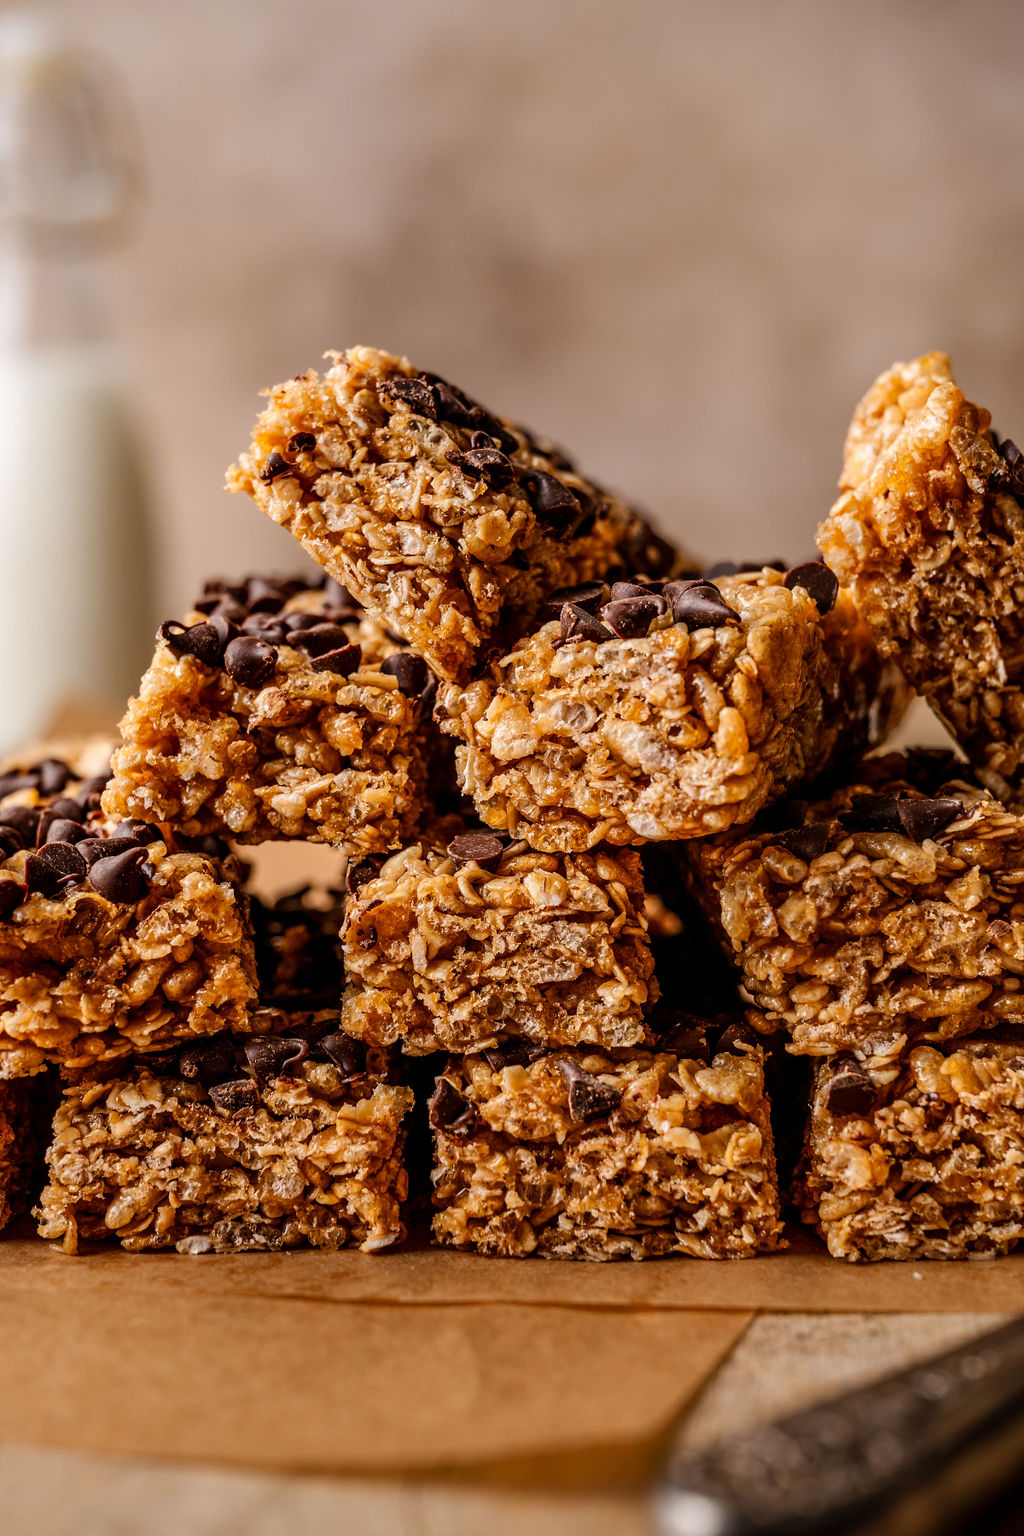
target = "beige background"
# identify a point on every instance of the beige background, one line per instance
(682, 237)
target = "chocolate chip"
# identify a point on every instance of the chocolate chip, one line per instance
(685, 1037)
(94, 848)
(449, 402)
(53, 775)
(339, 600)
(923, 819)
(577, 624)
(449, 1111)
(236, 1097)
(348, 1055)
(11, 782)
(699, 605)
(66, 807)
(211, 1062)
(265, 595)
(632, 617)
(24, 819)
(849, 1090)
(343, 662)
(272, 1056)
(55, 867)
(1010, 475)
(415, 394)
(274, 466)
(808, 842)
(622, 589)
(90, 791)
(589, 1098)
(318, 639)
(648, 554)
(301, 442)
(203, 641)
(482, 848)
(488, 464)
(589, 596)
(122, 877)
(512, 1053)
(10, 841)
(553, 502)
(358, 875)
(735, 1035)
(250, 662)
(410, 671)
(818, 582)
(12, 894)
(138, 831)
(873, 813)
(60, 830)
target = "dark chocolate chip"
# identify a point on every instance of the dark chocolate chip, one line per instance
(60, 830)
(1010, 475)
(415, 394)
(94, 848)
(927, 818)
(808, 842)
(251, 662)
(319, 639)
(578, 624)
(10, 841)
(410, 671)
(12, 894)
(590, 596)
(734, 1035)
(339, 597)
(271, 1056)
(274, 466)
(266, 626)
(451, 404)
(138, 831)
(632, 617)
(849, 1090)
(211, 1062)
(24, 819)
(344, 661)
(292, 622)
(700, 605)
(360, 874)
(122, 877)
(53, 775)
(873, 813)
(64, 806)
(488, 464)
(553, 502)
(348, 1055)
(648, 554)
(449, 1111)
(482, 848)
(301, 442)
(621, 589)
(55, 867)
(512, 1053)
(203, 641)
(589, 1098)
(11, 782)
(236, 1097)
(685, 1037)
(265, 595)
(818, 581)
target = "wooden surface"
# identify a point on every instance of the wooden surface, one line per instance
(784, 1360)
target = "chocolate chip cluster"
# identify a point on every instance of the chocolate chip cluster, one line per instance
(918, 817)
(67, 854)
(234, 1073)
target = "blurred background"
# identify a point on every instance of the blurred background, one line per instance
(679, 238)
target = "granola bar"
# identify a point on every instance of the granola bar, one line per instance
(586, 1154)
(928, 534)
(113, 942)
(646, 713)
(448, 524)
(878, 916)
(455, 947)
(278, 711)
(18, 1146)
(277, 1141)
(924, 1160)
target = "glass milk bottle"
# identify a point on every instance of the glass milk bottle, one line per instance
(75, 612)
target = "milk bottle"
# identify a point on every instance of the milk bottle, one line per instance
(75, 619)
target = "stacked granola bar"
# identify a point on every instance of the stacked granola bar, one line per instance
(617, 864)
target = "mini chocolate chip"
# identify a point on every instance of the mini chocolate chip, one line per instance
(734, 1035)
(211, 1062)
(700, 606)
(12, 894)
(251, 662)
(319, 639)
(553, 502)
(199, 640)
(360, 874)
(89, 792)
(10, 841)
(292, 622)
(873, 813)
(590, 596)
(122, 877)
(631, 617)
(923, 819)
(24, 819)
(344, 661)
(821, 584)
(482, 848)
(274, 466)
(449, 1111)
(577, 624)
(236, 1097)
(488, 464)
(265, 595)
(138, 831)
(849, 1090)
(589, 1098)
(348, 1055)
(95, 848)
(228, 609)
(512, 1053)
(66, 807)
(411, 672)
(621, 589)
(415, 394)
(53, 775)
(54, 868)
(271, 1056)
(301, 442)
(266, 626)
(61, 830)
(806, 843)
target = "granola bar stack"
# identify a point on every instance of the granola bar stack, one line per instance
(617, 863)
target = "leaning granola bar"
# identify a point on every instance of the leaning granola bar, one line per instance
(924, 1160)
(928, 534)
(647, 713)
(278, 711)
(587, 1154)
(455, 947)
(448, 524)
(283, 1139)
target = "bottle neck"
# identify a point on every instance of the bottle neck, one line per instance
(49, 300)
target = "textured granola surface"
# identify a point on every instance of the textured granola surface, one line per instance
(445, 953)
(447, 523)
(924, 1161)
(928, 535)
(674, 733)
(304, 752)
(594, 1155)
(857, 935)
(249, 1151)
